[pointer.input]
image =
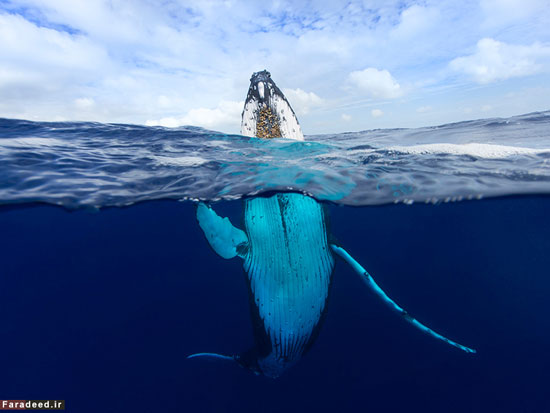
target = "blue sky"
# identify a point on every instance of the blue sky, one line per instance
(344, 65)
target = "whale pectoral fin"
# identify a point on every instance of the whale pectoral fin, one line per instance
(367, 278)
(212, 356)
(222, 236)
(246, 360)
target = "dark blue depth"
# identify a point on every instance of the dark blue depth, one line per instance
(102, 308)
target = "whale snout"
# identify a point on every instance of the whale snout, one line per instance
(267, 113)
(262, 88)
(262, 76)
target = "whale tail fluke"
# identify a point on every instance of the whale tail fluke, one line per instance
(367, 278)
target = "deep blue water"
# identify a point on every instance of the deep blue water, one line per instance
(100, 305)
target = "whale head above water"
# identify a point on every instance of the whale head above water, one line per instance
(267, 114)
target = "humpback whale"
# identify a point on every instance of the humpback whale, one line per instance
(287, 252)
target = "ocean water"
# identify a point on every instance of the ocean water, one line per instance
(107, 282)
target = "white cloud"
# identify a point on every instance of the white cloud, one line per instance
(423, 109)
(302, 101)
(494, 60)
(346, 117)
(506, 12)
(415, 20)
(376, 113)
(164, 101)
(84, 103)
(227, 113)
(50, 47)
(40, 62)
(376, 83)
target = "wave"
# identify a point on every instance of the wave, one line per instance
(83, 164)
(479, 150)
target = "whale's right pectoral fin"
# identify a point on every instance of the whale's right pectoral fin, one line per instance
(392, 304)
(247, 360)
(212, 356)
(223, 237)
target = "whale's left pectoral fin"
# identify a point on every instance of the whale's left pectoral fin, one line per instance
(392, 304)
(222, 236)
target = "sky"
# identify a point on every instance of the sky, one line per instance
(343, 65)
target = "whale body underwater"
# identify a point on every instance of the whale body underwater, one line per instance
(287, 250)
